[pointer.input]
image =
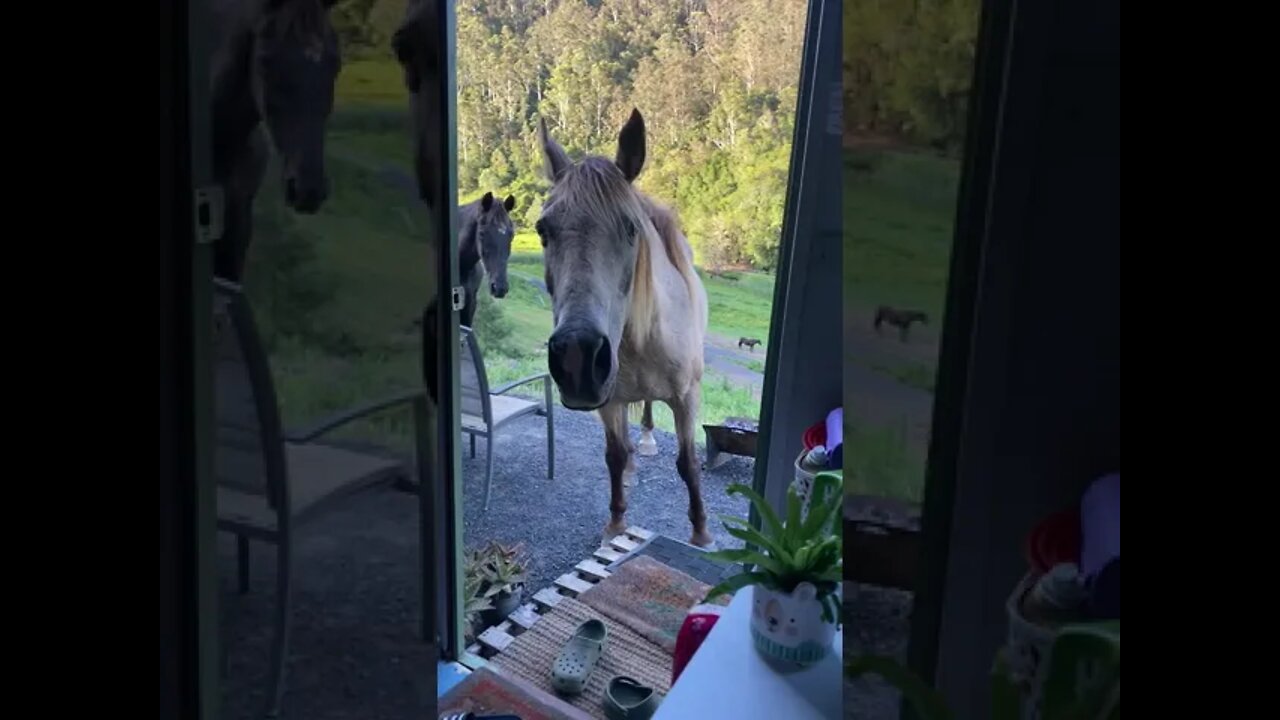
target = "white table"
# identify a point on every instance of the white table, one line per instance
(727, 679)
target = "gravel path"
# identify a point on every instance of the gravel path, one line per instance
(561, 521)
(880, 624)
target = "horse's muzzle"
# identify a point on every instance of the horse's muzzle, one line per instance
(498, 289)
(305, 198)
(581, 363)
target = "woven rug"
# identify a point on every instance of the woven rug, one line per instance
(648, 597)
(531, 655)
(486, 692)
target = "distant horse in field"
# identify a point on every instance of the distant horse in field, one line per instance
(629, 312)
(901, 319)
(484, 246)
(751, 343)
(272, 84)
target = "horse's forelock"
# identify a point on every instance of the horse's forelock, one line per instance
(596, 186)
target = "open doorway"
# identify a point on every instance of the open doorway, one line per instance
(717, 84)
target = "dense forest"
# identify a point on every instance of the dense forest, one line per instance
(908, 65)
(715, 79)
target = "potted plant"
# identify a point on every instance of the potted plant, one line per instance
(503, 573)
(475, 604)
(795, 570)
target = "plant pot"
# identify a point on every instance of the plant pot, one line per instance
(504, 603)
(789, 626)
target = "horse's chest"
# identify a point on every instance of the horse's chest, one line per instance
(641, 378)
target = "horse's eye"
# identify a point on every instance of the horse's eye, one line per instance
(630, 228)
(544, 231)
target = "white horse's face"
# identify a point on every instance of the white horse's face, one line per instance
(590, 237)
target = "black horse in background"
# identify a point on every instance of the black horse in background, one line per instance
(901, 319)
(273, 78)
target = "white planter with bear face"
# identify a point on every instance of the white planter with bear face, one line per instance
(789, 626)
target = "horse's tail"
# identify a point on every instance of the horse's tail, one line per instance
(641, 412)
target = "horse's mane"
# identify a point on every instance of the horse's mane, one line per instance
(597, 186)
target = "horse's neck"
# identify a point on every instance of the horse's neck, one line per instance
(235, 114)
(468, 248)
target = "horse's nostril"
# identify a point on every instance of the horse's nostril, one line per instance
(601, 360)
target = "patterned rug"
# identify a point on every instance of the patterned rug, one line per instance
(532, 654)
(648, 597)
(486, 692)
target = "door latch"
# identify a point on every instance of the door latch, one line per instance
(459, 298)
(209, 213)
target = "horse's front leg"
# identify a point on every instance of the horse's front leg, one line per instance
(686, 410)
(616, 455)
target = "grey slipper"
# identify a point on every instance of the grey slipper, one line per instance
(626, 699)
(578, 658)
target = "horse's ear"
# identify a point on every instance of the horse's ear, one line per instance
(486, 202)
(555, 159)
(509, 203)
(630, 159)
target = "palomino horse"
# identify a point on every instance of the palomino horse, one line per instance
(484, 246)
(274, 67)
(629, 312)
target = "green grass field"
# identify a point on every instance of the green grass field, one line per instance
(899, 210)
(345, 285)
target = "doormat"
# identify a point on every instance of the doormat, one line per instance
(648, 597)
(531, 655)
(489, 692)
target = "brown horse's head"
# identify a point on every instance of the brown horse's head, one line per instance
(594, 230)
(294, 63)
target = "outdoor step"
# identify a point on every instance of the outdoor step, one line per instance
(607, 555)
(496, 638)
(573, 584)
(547, 598)
(524, 617)
(624, 544)
(639, 533)
(592, 570)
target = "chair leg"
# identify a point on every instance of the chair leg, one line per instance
(488, 473)
(280, 647)
(551, 446)
(473, 447)
(242, 562)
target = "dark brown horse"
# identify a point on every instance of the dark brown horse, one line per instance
(901, 319)
(484, 246)
(273, 75)
(751, 343)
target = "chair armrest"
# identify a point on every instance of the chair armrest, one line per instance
(344, 417)
(545, 377)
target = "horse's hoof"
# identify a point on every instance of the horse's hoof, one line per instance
(610, 532)
(647, 449)
(628, 478)
(702, 540)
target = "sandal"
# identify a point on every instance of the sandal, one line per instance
(578, 658)
(626, 699)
